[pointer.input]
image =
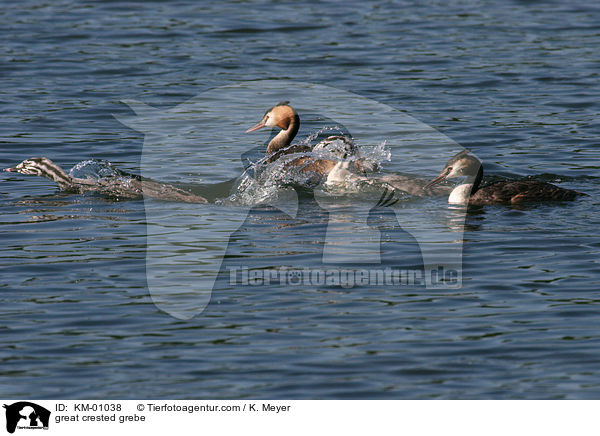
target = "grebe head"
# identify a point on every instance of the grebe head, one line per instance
(281, 115)
(461, 165)
(41, 166)
(35, 166)
(286, 118)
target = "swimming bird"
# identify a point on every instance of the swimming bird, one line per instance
(128, 186)
(508, 192)
(342, 150)
(285, 117)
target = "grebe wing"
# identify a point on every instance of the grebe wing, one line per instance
(522, 191)
(293, 148)
(340, 146)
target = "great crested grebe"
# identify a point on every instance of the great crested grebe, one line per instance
(127, 186)
(285, 117)
(343, 151)
(508, 192)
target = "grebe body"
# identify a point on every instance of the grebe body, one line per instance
(503, 192)
(325, 156)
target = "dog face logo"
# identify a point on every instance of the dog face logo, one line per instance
(200, 142)
(24, 414)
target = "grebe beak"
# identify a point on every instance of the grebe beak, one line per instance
(438, 179)
(11, 170)
(258, 126)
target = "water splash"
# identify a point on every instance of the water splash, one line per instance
(264, 182)
(96, 169)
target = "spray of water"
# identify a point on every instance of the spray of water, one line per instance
(264, 182)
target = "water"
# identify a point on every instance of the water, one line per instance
(515, 82)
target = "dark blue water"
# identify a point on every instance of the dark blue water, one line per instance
(516, 82)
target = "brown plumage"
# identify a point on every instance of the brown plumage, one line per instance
(522, 191)
(286, 118)
(507, 192)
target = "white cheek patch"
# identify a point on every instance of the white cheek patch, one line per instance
(270, 122)
(453, 173)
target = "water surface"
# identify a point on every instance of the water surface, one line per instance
(516, 82)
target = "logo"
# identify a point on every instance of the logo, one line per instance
(26, 415)
(199, 142)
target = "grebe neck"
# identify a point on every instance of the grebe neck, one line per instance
(462, 192)
(47, 168)
(284, 137)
